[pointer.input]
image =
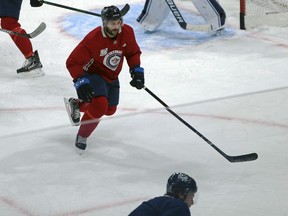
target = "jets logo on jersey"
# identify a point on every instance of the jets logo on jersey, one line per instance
(112, 59)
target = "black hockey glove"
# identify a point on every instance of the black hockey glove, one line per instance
(137, 75)
(84, 90)
(36, 3)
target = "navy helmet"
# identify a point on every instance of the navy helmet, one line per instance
(111, 13)
(180, 183)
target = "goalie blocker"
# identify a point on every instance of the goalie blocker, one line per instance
(155, 11)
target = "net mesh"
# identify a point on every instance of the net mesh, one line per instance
(266, 7)
(256, 13)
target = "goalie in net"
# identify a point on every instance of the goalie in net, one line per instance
(155, 11)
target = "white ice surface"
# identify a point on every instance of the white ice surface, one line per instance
(233, 88)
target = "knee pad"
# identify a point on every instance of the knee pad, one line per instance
(111, 110)
(10, 23)
(98, 107)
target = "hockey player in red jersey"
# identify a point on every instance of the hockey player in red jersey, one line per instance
(9, 16)
(95, 65)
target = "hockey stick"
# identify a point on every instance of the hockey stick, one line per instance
(124, 10)
(186, 26)
(232, 159)
(33, 34)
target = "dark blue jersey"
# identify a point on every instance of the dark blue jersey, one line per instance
(10, 8)
(162, 206)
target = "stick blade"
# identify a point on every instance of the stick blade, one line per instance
(125, 9)
(38, 30)
(33, 34)
(242, 158)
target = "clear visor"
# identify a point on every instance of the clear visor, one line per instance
(195, 198)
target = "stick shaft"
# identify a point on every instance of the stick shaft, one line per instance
(239, 158)
(71, 8)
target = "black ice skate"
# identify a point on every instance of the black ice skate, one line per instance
(73, 110)
(80, 144)
(31, 67)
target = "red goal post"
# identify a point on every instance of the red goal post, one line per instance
(255, 13)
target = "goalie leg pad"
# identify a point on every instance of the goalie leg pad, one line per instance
(153, 14)
(212, 12)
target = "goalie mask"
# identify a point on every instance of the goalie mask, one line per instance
(180, 183)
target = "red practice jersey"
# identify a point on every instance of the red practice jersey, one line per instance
(98, 54)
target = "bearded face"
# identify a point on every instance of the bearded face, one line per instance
(112, 27)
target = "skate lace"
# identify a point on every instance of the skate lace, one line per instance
(31, 62)
(75, 108)
(28, 62)
(81, 139)
(76, 113)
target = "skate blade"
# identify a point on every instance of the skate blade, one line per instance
(79, 151)
(31, 74)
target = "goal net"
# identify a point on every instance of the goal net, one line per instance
(254, 13)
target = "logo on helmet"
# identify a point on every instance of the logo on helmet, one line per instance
(180, 183)
(111, 13)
